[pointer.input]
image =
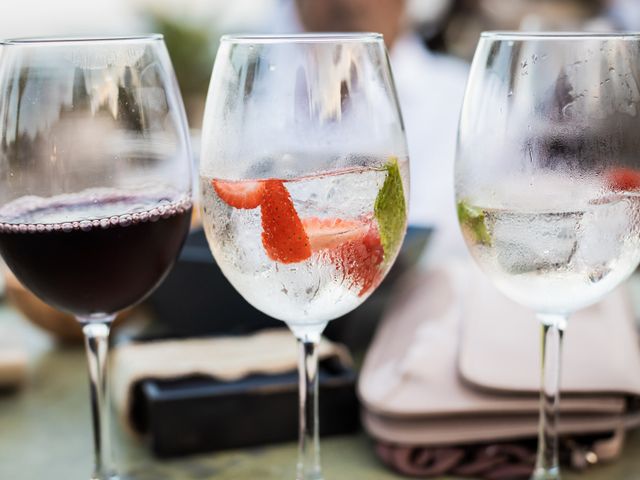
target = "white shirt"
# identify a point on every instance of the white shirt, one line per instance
(430, 89)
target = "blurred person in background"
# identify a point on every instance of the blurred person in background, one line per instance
(430, 81)
(430, 89)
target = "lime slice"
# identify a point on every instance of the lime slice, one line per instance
(390, 210)
(472, 221)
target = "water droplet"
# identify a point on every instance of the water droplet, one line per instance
(566, 110)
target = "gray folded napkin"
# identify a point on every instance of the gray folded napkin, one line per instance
(455, 364)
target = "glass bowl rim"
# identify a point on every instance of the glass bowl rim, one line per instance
(32, 41)
(320, 37)
(551, 35)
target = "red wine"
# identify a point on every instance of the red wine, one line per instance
(101, 262)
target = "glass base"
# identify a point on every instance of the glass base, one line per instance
(541, 474)
(108, 476)
(310, 476)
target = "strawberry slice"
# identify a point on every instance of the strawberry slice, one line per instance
(283, 235)
(354, 247)
(360, 260)
(623, 178)
(240, 194)
(328, 233)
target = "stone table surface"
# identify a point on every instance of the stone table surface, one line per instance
(45, 434)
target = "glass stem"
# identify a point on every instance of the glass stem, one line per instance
(547, 464)
(96, 340)
(309, 439)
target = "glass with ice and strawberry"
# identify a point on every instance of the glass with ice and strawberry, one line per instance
(308, 249)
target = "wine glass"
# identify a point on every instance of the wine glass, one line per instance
(95, 183)
(304, 182)
(547, 180)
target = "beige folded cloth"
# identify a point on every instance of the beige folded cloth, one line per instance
(14, 360)
(454, 362)
(13, 367)
(224, 358)
(601, 353)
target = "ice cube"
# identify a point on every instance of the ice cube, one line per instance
(527, 242)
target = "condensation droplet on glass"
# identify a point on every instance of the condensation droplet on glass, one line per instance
(566, 110)
(510, 94)
(272, 68)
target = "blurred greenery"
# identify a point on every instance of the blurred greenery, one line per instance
(192, 49)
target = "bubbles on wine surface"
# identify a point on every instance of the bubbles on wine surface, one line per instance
(90, 209)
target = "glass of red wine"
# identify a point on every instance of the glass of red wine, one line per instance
(95, 183)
